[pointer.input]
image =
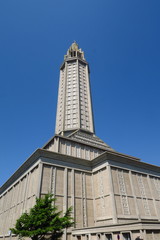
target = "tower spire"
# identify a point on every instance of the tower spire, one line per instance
(74, 109)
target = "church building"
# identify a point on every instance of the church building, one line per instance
(114, 196)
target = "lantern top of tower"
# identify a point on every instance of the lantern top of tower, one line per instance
(74, 51)
(74, 46)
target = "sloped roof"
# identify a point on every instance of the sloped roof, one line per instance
(90, 139)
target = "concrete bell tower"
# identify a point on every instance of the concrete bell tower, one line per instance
(74, 108)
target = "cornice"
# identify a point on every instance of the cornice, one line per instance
(19, 172)
(124, 159)
(106, 156)
(37, 155)
(119, 226)
(73, 59)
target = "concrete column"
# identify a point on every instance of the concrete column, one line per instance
(103, 237)
(82, 219)
(143, 234)
(89, 236)
(112, 195)
(65, 204)
(152, 196)
(11, 212)
(153, 237)
(131, 235)
(72, 192)
(40, 167)
(56, 144)
(53, 180)
(133, 192)
(26, 190)
(65, 193)
(94, 206)
(84, 204)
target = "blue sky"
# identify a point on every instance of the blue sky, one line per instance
(121, 40)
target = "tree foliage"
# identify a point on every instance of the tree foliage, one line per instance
(43, 219)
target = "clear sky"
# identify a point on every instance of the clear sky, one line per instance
(121, 41)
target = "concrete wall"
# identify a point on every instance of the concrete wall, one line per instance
(100, 197)
(18, 198)
(74, 149)
(137, 195)
(71, 187)
(106, 195)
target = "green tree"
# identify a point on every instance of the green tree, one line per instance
(43, 219)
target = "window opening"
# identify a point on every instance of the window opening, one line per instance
(108, 236)
(98, 237)
(126, 236)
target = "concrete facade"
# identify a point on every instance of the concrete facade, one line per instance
(113, 195)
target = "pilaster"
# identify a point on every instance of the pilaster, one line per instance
(112, 195)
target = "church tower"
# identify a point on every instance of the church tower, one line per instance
(75, 133)
(74, 109)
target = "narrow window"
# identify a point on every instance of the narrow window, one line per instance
(126, 236)
(108, 236)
